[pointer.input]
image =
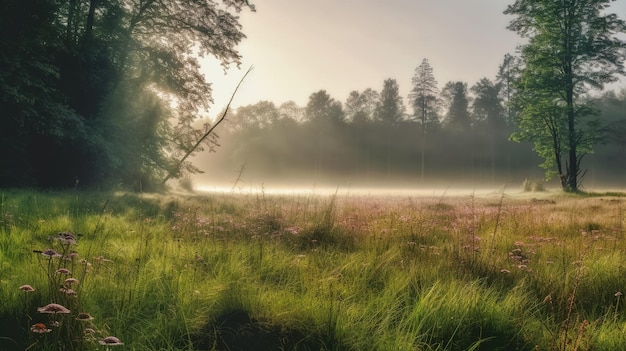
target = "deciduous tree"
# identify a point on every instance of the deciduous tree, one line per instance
(107, 91)
(572, 49)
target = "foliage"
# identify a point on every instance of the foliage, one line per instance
(361, 107)
(456, 99)
(391, 109)
(487, 106)
(572, 48)
(106, 93)
(508, 73)
(424, 97)
(277, 143)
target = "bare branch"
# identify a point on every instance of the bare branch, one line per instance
(171, 173)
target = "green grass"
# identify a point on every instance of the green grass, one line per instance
(242, 272)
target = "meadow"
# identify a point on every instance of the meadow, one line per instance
(500, 271)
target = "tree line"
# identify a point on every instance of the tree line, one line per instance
(458, 133)
(546, 95)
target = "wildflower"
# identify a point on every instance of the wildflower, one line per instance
(27, 288)
(50, 253)
(505, 271)
(66, 238)
(68, 291)
(53, 308)
(101, 259)
(110, 341)
(71, 256)
(70, 281)
(39, 328)
(83, 316)
(89, 331)
(292, 230)
(618, 294)
(63, 271)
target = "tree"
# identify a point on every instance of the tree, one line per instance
(96, 73)
(391, 108)
(488, 116)
(292, 111)
(258, 116)
(572, 49)
(389, 114)
(508, 73)
(361, 110)
(321, 108)
(325, 117)
(424, 99)
(487, 105)
(361, 107)
(457, 101)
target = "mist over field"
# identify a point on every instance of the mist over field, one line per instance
(325, 145)
(394, 185)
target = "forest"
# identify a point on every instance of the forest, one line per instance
(373, 138)
(103, 94)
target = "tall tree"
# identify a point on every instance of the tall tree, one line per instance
(391, 108)
(389, 114)
(322, 108)
(508, 73)
(456, 97)
(488, 116)
(487, 104)
(424, 99)
(361, 110)
(361, 107)
(572, 48)
(291, 110)
(325, 117)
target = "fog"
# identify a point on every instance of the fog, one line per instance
(259, 180)
(353, 147)
(373, 190)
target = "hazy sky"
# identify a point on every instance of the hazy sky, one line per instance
(298, 47)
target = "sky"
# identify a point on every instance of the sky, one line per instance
(299, 47)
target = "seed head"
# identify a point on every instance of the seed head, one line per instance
(71, 281)
(50, 253)
(83, 316)
(27, 288)
(67, 238)
(53, 308)
(110, 341)
(39, 328)
(63, 271)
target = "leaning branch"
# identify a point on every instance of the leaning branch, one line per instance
(179, 164)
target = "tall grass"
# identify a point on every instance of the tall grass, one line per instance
(268, 272)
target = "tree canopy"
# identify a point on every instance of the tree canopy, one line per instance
(572, 49)
(106, 92)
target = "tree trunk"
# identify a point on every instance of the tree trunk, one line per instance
(90, 17)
